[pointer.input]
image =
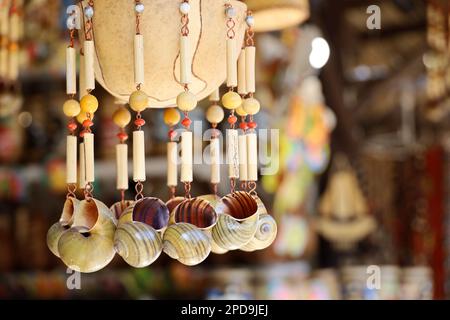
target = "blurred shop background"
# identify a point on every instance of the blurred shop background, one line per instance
(364, 159)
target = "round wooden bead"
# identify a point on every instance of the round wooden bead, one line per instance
(251, 106)
(215, 114)
(82, 116)
(171, 117)
(186, 101)
(122, 117)
(89, 104)
(241, 112)
(71, 108)
(138, 101)
(231, 100)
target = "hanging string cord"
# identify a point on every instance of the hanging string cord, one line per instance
(71, 189)
(252, 188)
(231, 24)
(88, 190)
(187, 190)
(139, 191)
(88, 31)
(185, 22)
(250, 33)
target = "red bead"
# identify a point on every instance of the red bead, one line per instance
(122, 136)
(172, 134)
(252, 125)
(82, 133)
(72, 126)
(186, 122)
(139, 122)
(232, 119)
(243, 126)
(87, 123)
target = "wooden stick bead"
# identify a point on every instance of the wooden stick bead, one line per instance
(82, 77)
(215, 160)
(231, 63)
(89, 74)
(243, 158)
(250, 56)
(139, 67)
(185, 60)
(89, 156)
(82, 176)
(71, 159)
(252, 156)
(3, 62)
(71, 71)
(215, 95)
(13, 62)
(186, 157)
(232, 153)
(122, 166)
(241, 86)
(172, 168)
(138, 156)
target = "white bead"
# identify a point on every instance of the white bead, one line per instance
(89, 12)
(185, 7)
(139, 8)
(71, 23)
(230, 12)
(250, 20)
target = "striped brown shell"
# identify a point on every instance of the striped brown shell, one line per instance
(195, 211)
(151, 211)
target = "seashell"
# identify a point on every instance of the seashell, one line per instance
(186, 243)
(196, 211)
(88, 245)
(213, 199)
(266, 232)
(138, 236)
(237, 220)
(137, 243)
(172, 203)
(151, 211)
(64, 223)
(119, 207)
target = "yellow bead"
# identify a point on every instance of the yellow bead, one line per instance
(71, 108)
(171, 117)
(138, 101)
(89, 104)
(122, 117)
(231, 100)
(215, 114)
(186, 101)
(251, 106)
(82, 116)
(241, 112)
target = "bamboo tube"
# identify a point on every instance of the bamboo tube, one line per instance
(241, 86)
(231, 63)
(89, 64)
(139, 66)
(82, 177)
(250, 55)
(14, 27)
(71, 159)
(215, 96)
(138, 156)
(89, 156)
(71, 71)
(186, 157)
(82, 77)
(172, 170)
(13, 64)
(122, 166)
(214, 149)
(243, 158)
(3, 62)
(252, 157)
(185, 60)
(232, 153)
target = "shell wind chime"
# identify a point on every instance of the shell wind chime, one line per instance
(186, 228)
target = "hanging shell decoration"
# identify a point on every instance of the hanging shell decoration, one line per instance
(188, 238)
(119, 207)
(174, 202)
(237, 220)
(64, 223)
(88, 245)
(138, 237)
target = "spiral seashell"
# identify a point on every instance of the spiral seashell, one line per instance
(195, 211)
(237, 220)
(186, 243)
(64, 223)
(151, 211)
(265, 235)
(137, 243)
(172, 203)
(213, 199)
(119, 208)
(88, 245)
